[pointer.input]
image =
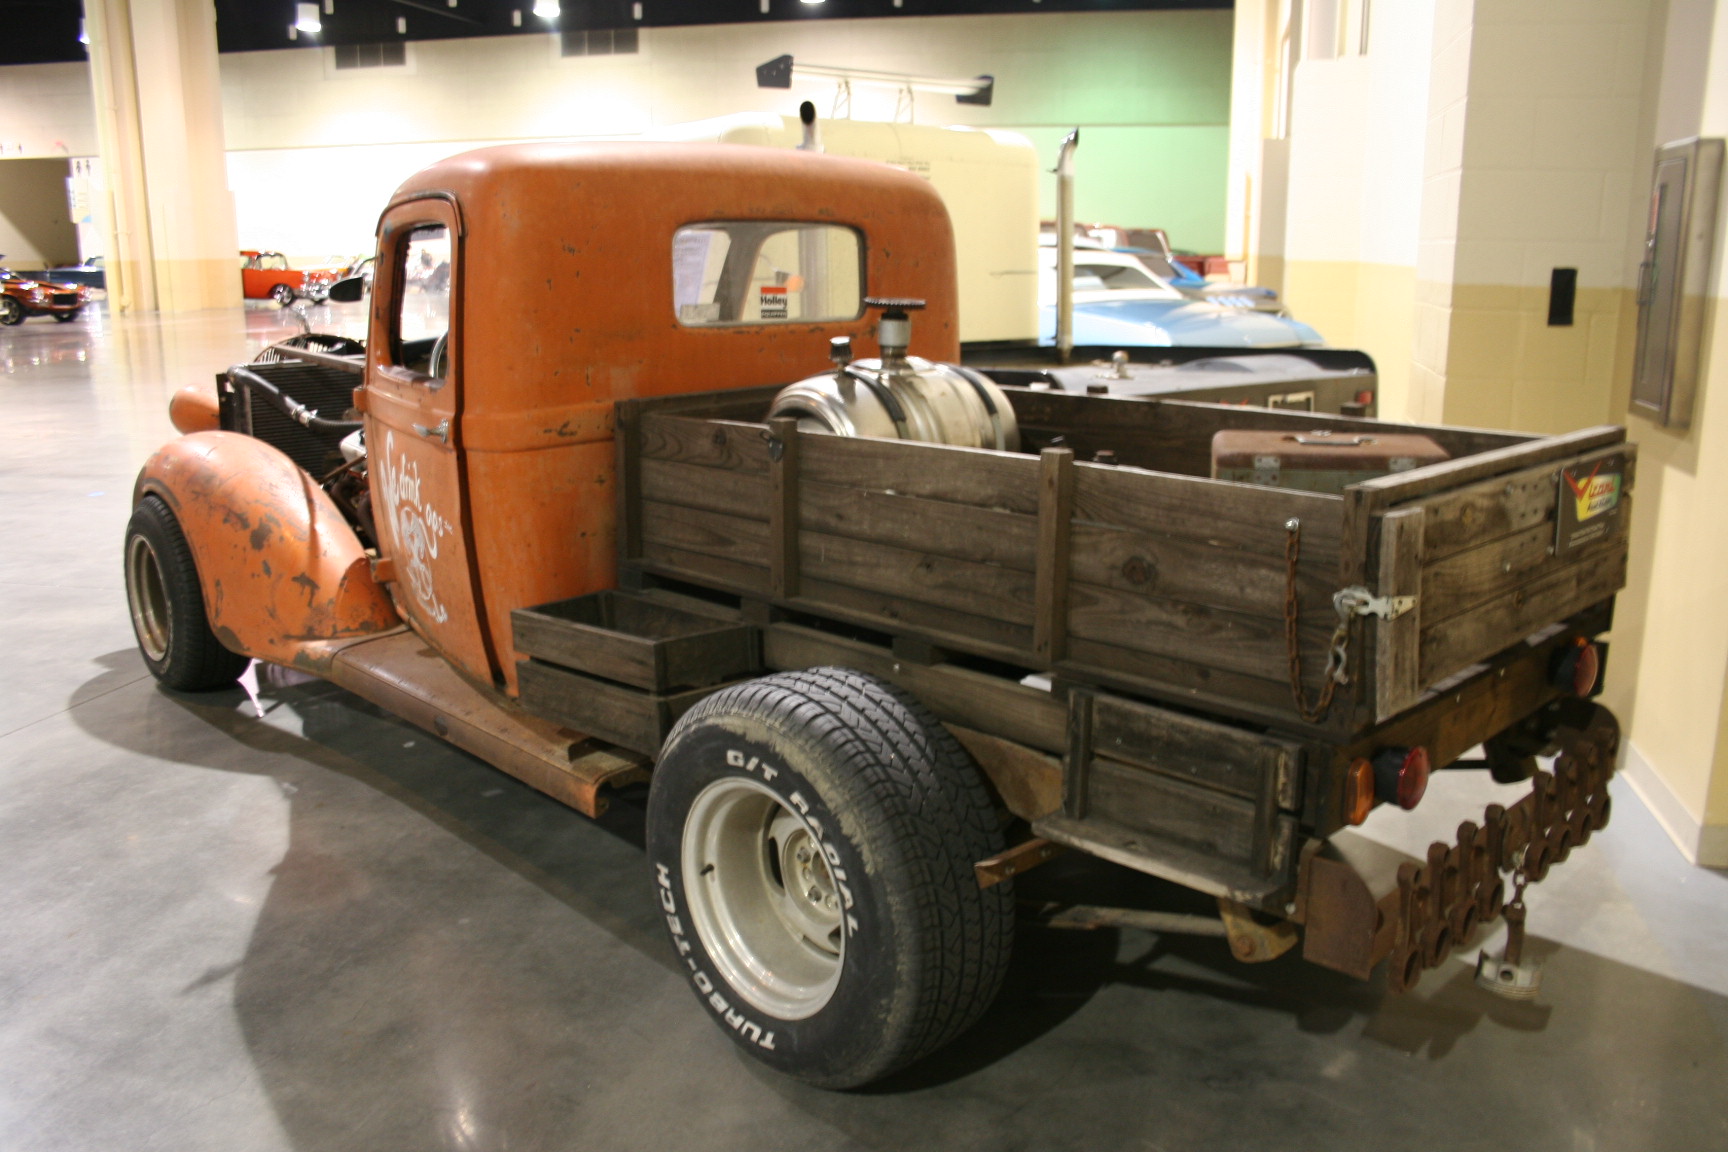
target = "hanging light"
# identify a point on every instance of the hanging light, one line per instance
(83, 33)
(306, 19)
(547, 9)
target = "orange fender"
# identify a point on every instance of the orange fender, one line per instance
(195, 409)
(280, 568)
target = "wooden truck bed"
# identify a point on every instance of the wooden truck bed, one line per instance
(1144, 576)
(1151, 600)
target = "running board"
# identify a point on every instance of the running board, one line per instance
(399, 673)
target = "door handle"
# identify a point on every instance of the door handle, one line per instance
(440, 430)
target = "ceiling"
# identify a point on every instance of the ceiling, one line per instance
(42, 31)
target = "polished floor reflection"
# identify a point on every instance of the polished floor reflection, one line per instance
(322, 929)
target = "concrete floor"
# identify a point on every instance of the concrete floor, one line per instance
(323, 929)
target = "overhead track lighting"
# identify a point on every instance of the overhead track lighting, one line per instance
(778, 73)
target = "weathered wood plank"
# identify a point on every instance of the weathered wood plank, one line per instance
(1055, 523)
(711, 443)
(983, 589)
(1201, 818)
(1188, 748)
(974, 476)
(1401, 487)
(1209, 637)
(623, 716)
(783, 507)
(1188, 683)
(1182, 568)
(947, 627)
(1238, 516)
(964, 532)
(711, 489)
(711, 571)
(708, 533)
(1490, 509)
(627, 492)
(1397, 643)
(634, 640)
(1451, 645)
(956, 695)
(1465, 579)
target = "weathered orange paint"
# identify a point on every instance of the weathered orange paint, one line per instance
(562, 294)
(195, 409)
(280, 568)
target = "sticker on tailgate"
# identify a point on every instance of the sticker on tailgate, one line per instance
(1591, 500)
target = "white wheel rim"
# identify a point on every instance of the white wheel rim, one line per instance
(762, 898)
(147, 597)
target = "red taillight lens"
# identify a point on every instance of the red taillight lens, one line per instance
(1365, 397)
(1359, 791)
(1401, 776)
(1577, 667)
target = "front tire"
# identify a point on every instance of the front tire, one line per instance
(11, 312)
(67, 317)
(813, 836)
(167, 605)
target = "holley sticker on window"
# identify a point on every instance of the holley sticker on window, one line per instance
(1592, 500)
(774, 297)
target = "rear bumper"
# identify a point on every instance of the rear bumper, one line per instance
(1360, 902)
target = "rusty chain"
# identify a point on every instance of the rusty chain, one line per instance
(1347, 601)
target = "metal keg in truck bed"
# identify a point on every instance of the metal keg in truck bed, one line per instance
(671, 474)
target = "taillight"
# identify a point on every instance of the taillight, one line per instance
(1366, 396)
(1359, 791)
(1401, 776)
(1577, 666)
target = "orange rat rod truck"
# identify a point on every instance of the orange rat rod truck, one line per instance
(656, 463)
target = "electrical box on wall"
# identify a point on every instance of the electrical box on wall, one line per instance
(1674, 280)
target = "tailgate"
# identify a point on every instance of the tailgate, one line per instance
(1494, 548)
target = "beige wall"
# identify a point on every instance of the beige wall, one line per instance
(1536, 122)
(35, 225)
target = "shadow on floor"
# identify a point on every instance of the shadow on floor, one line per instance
(401, 990)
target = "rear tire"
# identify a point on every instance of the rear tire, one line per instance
(11, 312)
(813, 836)
(282, 294)
(167, 605)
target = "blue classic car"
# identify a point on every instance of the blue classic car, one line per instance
(1119, 302)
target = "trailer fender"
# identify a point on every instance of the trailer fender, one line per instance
(279, 567)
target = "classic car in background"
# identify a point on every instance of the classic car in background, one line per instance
(1186, 272)
(1119, 301)
(23, 296)
(266, 276)
(91, 272)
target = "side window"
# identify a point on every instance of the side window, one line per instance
(423, 307)
(766, 272)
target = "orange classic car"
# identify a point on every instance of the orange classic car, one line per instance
(266, 276)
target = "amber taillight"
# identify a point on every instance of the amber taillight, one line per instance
(1577, 667)
(1359, 791)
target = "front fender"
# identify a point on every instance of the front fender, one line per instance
(280, 568)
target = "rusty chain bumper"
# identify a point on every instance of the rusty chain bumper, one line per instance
(1361, 903)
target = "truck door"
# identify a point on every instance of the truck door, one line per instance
(413, 408)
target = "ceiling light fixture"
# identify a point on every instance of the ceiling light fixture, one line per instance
(306, 19)
(83, 33)
(401, 25)
(547, 9)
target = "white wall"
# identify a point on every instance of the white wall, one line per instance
(314, 151)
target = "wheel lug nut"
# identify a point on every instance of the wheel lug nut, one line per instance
(815, 894)
(832, 901)
(803, 855)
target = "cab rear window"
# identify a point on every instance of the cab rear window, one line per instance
(766, 272)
